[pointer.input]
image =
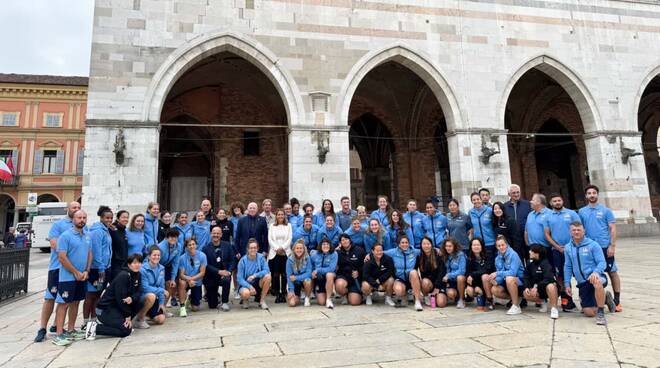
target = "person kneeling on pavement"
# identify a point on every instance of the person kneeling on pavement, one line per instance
(119, 303)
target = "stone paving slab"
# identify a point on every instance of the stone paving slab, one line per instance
(370, 337)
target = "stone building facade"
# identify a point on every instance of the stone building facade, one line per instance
(246, 99)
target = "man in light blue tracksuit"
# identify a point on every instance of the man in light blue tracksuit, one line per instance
(415, 219)
(435, 224)
(585, 261)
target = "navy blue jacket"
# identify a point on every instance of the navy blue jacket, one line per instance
(523, 208)
(219, 258)
(251, 227)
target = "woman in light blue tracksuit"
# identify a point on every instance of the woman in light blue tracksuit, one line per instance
(507, 278)
(137, 241)
(407, 277)
(325, 267)
(356, 232)
(455, 263)
(102, 252)
(399, 227)
(184, 228)
(151, 224)
(201, 230)
(376, 234)
(298, 274)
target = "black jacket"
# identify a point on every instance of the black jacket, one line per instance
(162, 230)
(119, 246)
(251, 227)
(218, 258)
(227, 228)
(125, 284)
(538, 273)
(478, 267)
(435, 275)
(376, 274)
(509, 229)
(349, 261)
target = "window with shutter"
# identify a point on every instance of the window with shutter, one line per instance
(49, 162)
(81, 159)
(38, 162)
(59, 162)
(14, 160)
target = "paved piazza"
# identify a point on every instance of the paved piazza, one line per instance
(375, 336)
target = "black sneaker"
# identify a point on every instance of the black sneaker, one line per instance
(569, 307)
(53, 329)
(173, 302)
(41, 335)
(609, 301)
(523, 303)
(468, 299)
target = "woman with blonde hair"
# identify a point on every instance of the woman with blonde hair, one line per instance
(299, 274)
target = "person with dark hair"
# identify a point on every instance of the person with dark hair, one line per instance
(484, 194)
(169, 258)
(200, 229)
(482, 224)
(378, 275)
(185, 229)
(221, 262)
(517, 208)
(279, 240)
(308, 232)
(455, 264)
(324, 272)
(191, 268)
(223, 222)
(119, 303)
(407, 277)
(383, 211)
(151, 223)
(415, 219)
(432, 270)
(585, 261)
(329, 230)
(539, 283)
(154, 295)
(478, 271)
(164, 224)
(295, 206)
(558, 234)
(346, 214)
(507, 227)
(294, 219)
(600, 225)
(506, 281)
(101, 254)
(435, 224)
(356, 232)
(350, 264)
(327, 209)
(236, 211)
(119, 244)
(137, 240)
(459, 225)
(376, 234)
(399, 227)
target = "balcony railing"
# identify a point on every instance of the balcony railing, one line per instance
(9, 183)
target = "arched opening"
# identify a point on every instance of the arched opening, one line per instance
(373, 143)
(7, 213)
(545, 137)
(47, 198)
(405, 151)
(649, 122)
(223, 136)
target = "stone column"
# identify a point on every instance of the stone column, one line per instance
(311, 180)
(623, 185)
(470, 167)
(129, 186)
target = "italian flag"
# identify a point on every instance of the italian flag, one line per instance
(6, 170)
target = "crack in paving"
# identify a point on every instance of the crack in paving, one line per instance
(609, 337)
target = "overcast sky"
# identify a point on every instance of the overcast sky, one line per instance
(46, 36)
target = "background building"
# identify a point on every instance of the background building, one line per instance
(246, 99)
(42, 131)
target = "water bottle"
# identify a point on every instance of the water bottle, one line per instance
(432, 301)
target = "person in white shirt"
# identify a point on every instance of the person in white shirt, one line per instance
(279, 241)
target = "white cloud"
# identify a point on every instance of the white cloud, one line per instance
(46, 36)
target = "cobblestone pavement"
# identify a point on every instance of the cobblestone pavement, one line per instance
(375, 336)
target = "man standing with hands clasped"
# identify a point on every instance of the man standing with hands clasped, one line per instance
(74, 251)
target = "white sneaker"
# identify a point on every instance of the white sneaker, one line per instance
(554, 313)
(237, 295)
(344, 300)
(225, 307)
(460, 304)
(389, 301)
(303, 295)
(368, 300)
(245, 304)
(328, 304)
(169, 315)
(263, 305)
(90, 331)
(427, 300)
(418, 306)
(307, 301)
(515, 309)
(143, 325)
(544, 308)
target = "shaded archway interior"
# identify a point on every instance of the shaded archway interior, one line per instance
(47, 198)
(649, 122)
(7, 211)
(199, 160)
(552, 146)
(397, 130)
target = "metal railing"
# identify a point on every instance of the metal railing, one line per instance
(9, 183)
(14, 265)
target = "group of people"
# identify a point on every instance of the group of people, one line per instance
(130, 273)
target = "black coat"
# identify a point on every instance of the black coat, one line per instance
(376, 274)
(509, 229)
(162, 230)
(227, 228)
(435, 275)
(538, 273)
(251, 227)
(349, 261)
(478, 267)
(125, 284)
(218, 258)
(119, 246)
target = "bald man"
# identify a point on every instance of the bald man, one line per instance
(252, 226)
(57, 229)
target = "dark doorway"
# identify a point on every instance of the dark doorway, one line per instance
(649, 123)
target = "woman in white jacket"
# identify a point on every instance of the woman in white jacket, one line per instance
(279, 240)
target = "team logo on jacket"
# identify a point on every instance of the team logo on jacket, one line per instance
(65, 294)
(53, 290)
(585, 250)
